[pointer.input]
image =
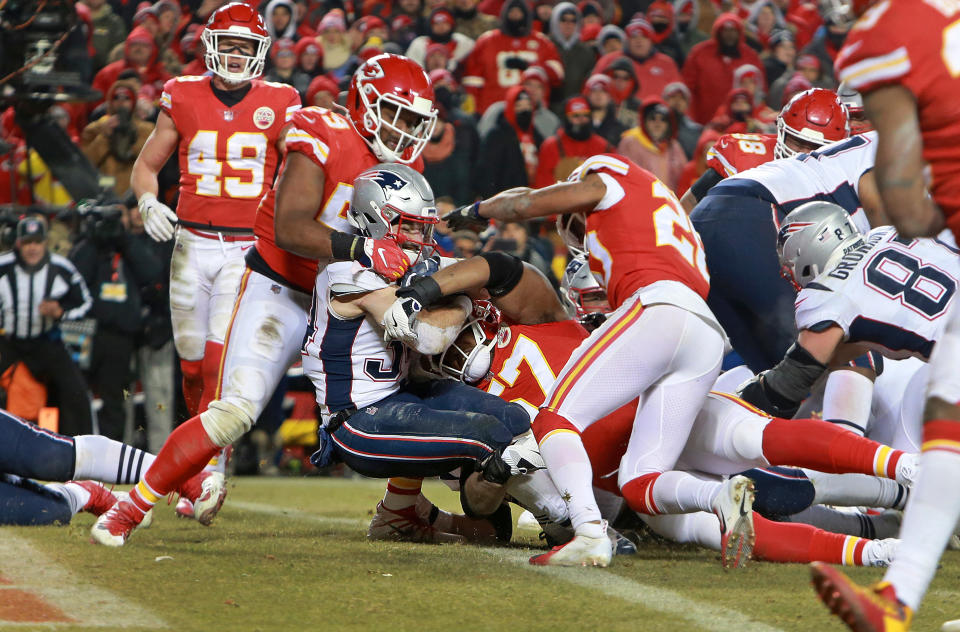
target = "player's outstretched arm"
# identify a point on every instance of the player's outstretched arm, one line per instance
(899, 164)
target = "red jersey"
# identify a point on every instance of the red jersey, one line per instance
(228, 155)
(916, 44)
(733, 153)
(486, 75)
(639, 234)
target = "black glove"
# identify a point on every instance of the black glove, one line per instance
(423, 268)
(465, 218)
(757, 393)
(516, 63)
(424, 290)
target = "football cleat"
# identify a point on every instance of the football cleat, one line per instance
(907, 469)
(734, 507)
(621, 544)
(406, 525)
(523, 456)
(213, 492)
(582, 550)
(874, 609)
(184, 508)
(880, 552)
(115, 526)
(101, 498)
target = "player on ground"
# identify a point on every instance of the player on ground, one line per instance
(809, 121)
(390, 117)
(641, 243)
(228, 129)
(904, 57)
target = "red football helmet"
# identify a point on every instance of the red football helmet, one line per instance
(241, 21)
(469, 356)
(391, 105)
(813, 117)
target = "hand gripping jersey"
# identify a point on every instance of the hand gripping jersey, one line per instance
(890, 294)
(330, 141)
(916, 44)
(639, 234)
(733, 153)
(831, 173)
(228, 155)
(346, 358)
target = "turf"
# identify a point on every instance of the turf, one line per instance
(259, 569)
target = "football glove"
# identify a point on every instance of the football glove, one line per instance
(398, 320)
(383, 256)
(465, 218)
(757, 392)
(422, 268)
(158, 219)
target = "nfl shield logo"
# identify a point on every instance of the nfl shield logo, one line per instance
(227, 115)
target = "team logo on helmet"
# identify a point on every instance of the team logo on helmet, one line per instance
(388, 181)
(790, 229)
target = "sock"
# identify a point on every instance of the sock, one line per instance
(803, 543)
(401, 493)
(827, 448)
(857, 490)
(75, 495)
(185, 452)
(219, 461)
(850, 522)
(537, 494)
(931, 514)
(847, 399)
(671, 493)
(569, 467)
(109, 461)
(210, 368)
(192, 384)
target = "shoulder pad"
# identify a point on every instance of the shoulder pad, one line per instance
(601, 162)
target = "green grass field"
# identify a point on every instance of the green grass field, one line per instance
(291, 554)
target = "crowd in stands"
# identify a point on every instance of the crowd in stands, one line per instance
(526, 90)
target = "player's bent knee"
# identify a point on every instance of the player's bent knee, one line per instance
(746, 440)
(225, 422)
(548, 421)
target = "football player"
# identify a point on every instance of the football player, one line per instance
(903, 57)
(301, 221)
(227, 127)
(642, 244)
(810, 120)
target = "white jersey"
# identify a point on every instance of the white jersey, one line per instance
(889, 293)
(346, 358)
(831, 173)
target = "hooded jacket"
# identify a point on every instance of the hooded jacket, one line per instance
(665, 159)
(152, 73)
(667, 41)
(108, 31)
(508, 153)
(291, 31)
(691, 35)
(578, 58)
(652, 74)
(709, 73)
(99, 144)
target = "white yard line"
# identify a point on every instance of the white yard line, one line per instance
(699, 613)
(30, 570)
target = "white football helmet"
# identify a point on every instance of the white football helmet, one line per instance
(469, 358)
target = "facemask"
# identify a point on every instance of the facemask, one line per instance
(524, 119)
(580, 131)
(462, 14)
(661, 27)
(836, 39)
(441, 39)
(516, 28)
(739, 116)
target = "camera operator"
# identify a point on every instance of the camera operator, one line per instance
(113, 141)
(116, 265)
(37, 290)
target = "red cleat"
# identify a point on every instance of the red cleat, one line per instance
(874, 609)
(101, 498)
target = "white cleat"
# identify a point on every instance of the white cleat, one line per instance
(880, 552)
(908, 468)
(208, 503)
(582, 550)
(734, 507)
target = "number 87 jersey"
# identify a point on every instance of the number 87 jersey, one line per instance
(638, 234)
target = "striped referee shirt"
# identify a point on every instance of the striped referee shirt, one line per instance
(22, 289)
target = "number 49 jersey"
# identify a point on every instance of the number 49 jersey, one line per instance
(890, 294)
(638, 234)
(733, 153)
(228, 154)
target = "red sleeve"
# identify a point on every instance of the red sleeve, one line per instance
(292, 103)
(549, 158)
(312, 133)
(167, 97)
(877, 51)
(473, 75)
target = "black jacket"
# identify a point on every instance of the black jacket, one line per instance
(500, 163)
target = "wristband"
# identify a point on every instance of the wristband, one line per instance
(424, 290)
(346, 247)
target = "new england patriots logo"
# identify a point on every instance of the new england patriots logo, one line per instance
(388, 181)
(790, 229)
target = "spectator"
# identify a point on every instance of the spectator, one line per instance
(624, 89)
(735, 116)
(603, 110)
(687, 16)
(500, 57)
(750, 78)
(803, 17)
(653, 70)
(611, 39)
(403, 30)
(677, 97)
(591, 13)
(283, 58)
(167, 13)
(764, 20)
(278, 18)
(660, 15)
(412, 9)
(808, 71)
(450, 158)
(309, 54)
(781, 58)
(514, 238)
(365, 28)
(653, 144)
(35, 173)
(828, 43)
(113, 142)
(30, 319)
(322, 92)
(508, 153)
(470, 21)
(336, 51)
(441, 32)
(578, 58)
(566, 150)
(139, 54)
(542, 10)
(466, 244)
(192, 49)
(108, 30)
(708, 71)
(535, 82)
(438, 58)
(117, 265)
(697, 165)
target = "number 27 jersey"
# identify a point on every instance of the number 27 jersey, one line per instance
(890, 294)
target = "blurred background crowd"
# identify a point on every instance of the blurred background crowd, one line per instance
(526, 90)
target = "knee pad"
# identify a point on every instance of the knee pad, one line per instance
(747, 439)
(225, 422)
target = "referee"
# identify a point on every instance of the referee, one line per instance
(38, 290)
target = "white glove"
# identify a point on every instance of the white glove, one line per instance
(158, 219)
(398, 320)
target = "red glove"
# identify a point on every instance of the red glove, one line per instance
(385, 257)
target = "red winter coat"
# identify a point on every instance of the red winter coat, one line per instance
(153, 73)
(654, 73)
(560, 146)
(709, 74)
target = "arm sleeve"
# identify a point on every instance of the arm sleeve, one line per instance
(705, 182)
